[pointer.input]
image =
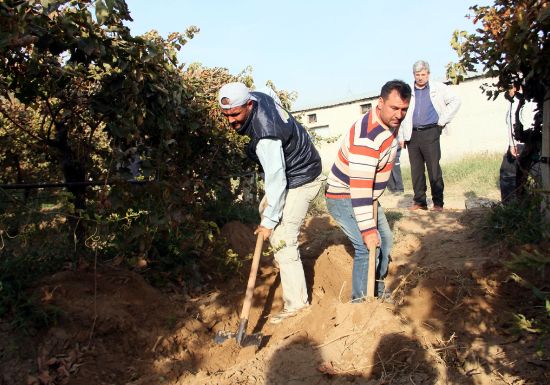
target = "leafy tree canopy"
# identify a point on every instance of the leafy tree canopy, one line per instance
(82, 99)
(511, 44)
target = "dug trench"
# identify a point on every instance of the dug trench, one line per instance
(450, 321)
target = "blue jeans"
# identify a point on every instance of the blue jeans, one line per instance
(342, 212)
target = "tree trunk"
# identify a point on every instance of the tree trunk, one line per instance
(545, 155)
(73, 171)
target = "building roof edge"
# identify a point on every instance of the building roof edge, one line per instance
(365, 97)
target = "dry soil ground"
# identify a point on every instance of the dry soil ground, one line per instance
(450, 323)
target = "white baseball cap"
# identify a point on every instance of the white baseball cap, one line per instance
(233, 95)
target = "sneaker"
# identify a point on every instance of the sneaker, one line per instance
(437, 208)
(280, 317)
(416, 206)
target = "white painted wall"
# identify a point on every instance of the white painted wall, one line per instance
(478, 127)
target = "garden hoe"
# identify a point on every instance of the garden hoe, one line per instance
(240, 336)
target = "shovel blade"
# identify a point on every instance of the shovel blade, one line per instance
(247, 340)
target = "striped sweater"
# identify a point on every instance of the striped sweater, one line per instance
(363, 167)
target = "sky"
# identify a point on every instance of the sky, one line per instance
(326, 51)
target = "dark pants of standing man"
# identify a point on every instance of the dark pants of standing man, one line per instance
(395, 183)
(508, 170)
(508, 176)
(425, 152)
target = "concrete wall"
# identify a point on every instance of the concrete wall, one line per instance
(478, 127)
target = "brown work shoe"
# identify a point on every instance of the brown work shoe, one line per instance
(416, 206)
(437, 208)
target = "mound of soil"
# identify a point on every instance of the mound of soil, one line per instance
(449, 320)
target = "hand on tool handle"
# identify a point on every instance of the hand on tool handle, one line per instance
(264, 231)
(372, 240)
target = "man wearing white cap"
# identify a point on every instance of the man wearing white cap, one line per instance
(292, 172)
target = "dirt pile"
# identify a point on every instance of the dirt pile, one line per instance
(449, 324)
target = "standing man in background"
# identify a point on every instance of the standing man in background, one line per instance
(358, 178)
(433, 105)
(292, 174)
(519, 111)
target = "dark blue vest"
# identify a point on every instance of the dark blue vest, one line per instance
(302, 161)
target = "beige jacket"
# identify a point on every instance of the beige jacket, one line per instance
(445, 102)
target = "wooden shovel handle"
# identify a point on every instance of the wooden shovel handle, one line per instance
(252, 277)
(371, 281)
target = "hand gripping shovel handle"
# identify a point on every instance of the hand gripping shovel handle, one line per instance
(250, 288)
(371, 281)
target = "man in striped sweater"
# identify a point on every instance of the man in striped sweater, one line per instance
(358, 178)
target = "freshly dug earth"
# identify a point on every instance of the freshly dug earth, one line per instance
(450, 322)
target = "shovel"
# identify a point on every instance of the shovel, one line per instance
(240, 336)
(371, 281)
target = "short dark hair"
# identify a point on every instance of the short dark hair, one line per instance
(402, 88)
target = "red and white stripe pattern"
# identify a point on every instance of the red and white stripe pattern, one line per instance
(363, 167)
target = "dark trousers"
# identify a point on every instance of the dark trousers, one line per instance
(425, 153)
(507, 180)
(508, 176)
(395, 183)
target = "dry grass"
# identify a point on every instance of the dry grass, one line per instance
(473, 175)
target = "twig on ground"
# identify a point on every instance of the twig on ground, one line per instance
(472, 372)
(444, 296)
(403, 281)
(444, 348)
(502, 377)
(338, 338)
(399, 351)
(340, 294)
(428, 325)
(294, 333)
(159, 338)
(456, 306)
(382, 363)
